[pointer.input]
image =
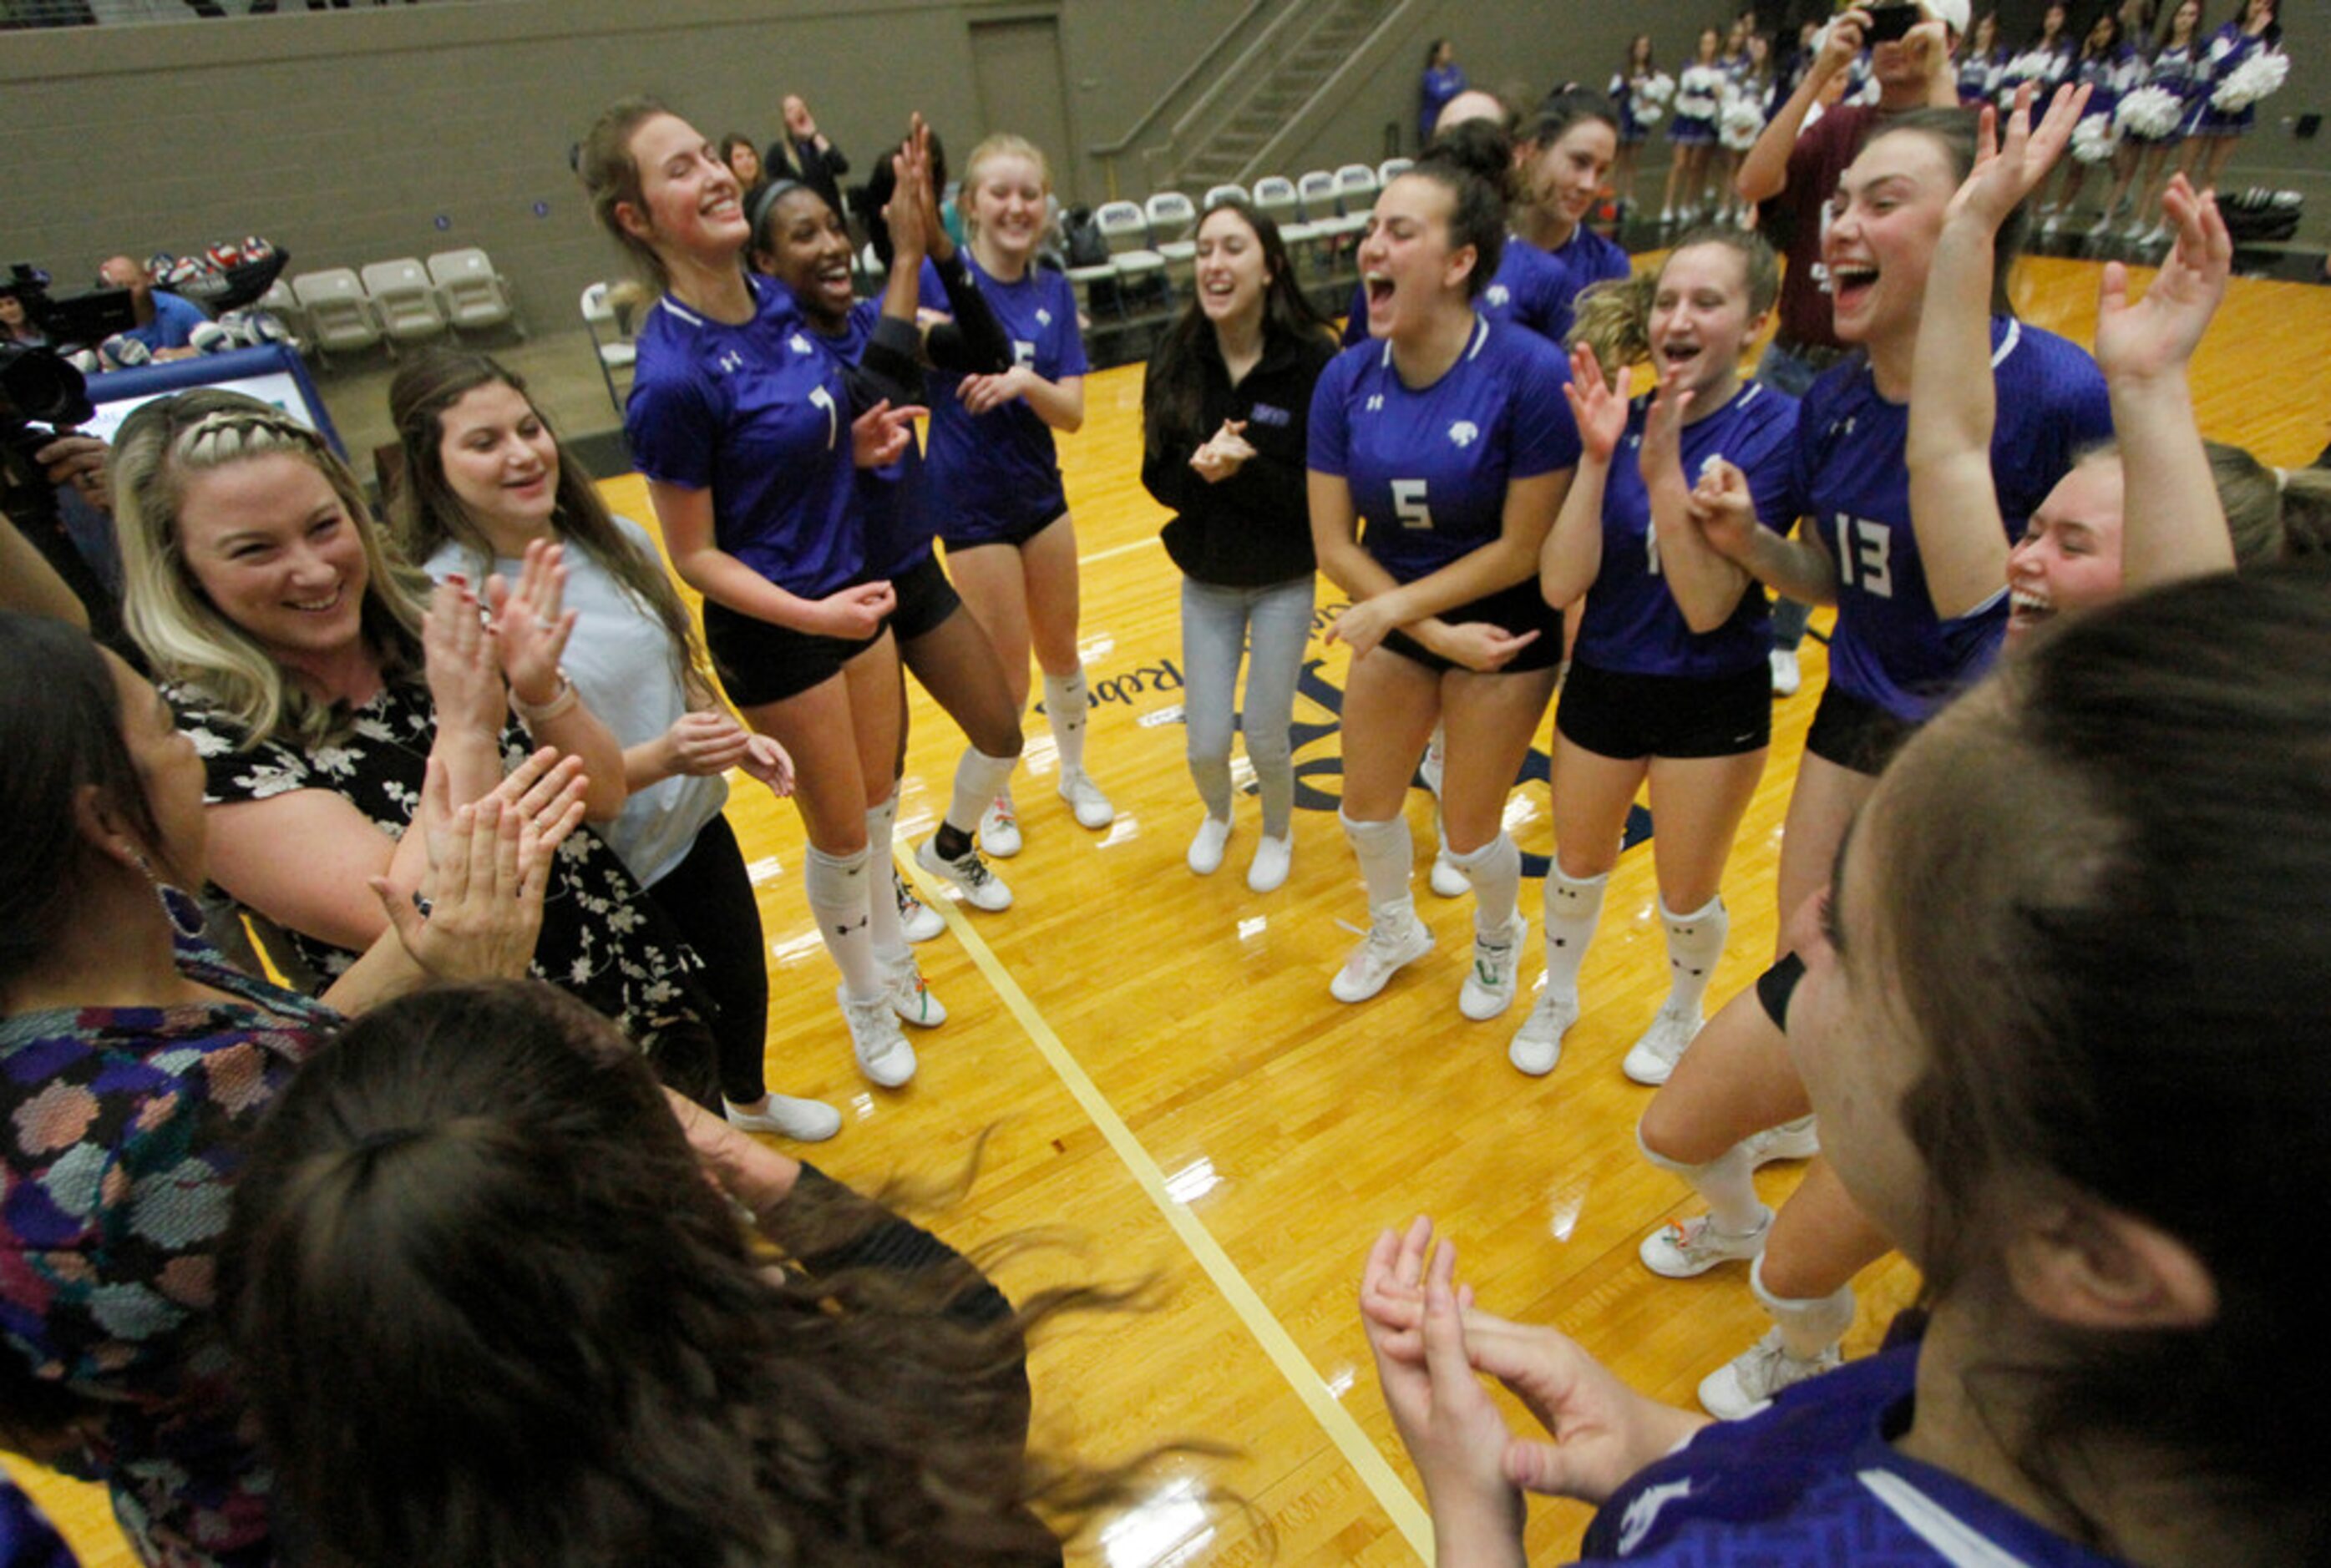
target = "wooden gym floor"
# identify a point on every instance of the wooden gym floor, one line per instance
(1174, 1096)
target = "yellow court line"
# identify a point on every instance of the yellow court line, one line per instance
(1408, 1515)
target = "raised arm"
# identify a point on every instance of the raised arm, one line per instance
(2173, 525)
(1764, 174)
(1954, 405)
(1705, 586)
(1572, 556)
(531, 628)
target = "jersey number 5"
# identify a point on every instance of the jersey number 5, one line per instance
(1408, 502)
(1865, 556)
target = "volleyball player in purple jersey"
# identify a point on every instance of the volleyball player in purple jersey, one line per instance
(995, 476)
(1669, 679)
(743, 428)
(803, 242)
(1444, 432)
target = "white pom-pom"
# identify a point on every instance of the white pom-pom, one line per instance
(1742, 121)
(2094, 140)
(2150, 113)
(2253, 79)
(1659, 88)
(1648, 113)
(2029, 66)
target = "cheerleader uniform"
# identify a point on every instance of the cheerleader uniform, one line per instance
(1699, 97)
(2180, 69)
(1632, 131)
(2230, 46)
(2107, 78)
(1429, 467)
(1980, 77)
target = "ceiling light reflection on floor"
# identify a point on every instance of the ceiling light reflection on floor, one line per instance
(1164, 1529)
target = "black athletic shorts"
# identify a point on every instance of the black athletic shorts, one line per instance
(1015, 533)
(1859, 736)
(1776, 985)
(760, 662)
(1615, 714)
(1518, 608)
(926, 598)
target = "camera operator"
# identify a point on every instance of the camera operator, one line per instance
(53, 493)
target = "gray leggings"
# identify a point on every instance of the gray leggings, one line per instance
(1217, 626)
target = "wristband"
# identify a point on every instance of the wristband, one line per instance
(565, 698)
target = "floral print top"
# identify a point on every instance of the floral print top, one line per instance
(602, 940)
(123, 1128)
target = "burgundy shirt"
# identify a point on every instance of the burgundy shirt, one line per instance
(1792, 220)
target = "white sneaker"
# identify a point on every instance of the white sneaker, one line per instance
(1447, 878)
(1384, 953)
(1084, 797)
(1667, 215)
(1687, 1248)
(910, 995)
(1654, 1056)
(2101, 227)
(1796, 1140)
(1537, 1044)
(1748, 1382)
(1786, 677)
(917, 920)
(999, 828)
(1488, 988)
(1206, 848)
(1273, 858)
(883, 1054)
(981, 888)
(804, 1121)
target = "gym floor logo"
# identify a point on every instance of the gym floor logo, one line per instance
(1318, 724)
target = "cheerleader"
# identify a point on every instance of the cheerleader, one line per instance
(2107, 66)
(1669, 681)
(743, 431)
(1443, 431)
(1748, 106)
(802, 243)
(2177, 74)
(1011, 545)
(1984, 64)
(1641, 99)
(1699, 97)
(2213, 132)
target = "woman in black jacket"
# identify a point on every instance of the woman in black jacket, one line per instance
(1226, 409)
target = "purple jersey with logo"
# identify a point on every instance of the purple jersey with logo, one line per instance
(1814, 1482)
(759, 415)
(1428, 466)
(989, 476)
(1852, 485)
(1631, 623)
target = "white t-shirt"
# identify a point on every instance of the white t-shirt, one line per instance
(621, 661)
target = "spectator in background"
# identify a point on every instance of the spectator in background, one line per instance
(166, 322)
(1443, 79)
(737, 152)
(16, 328)
(804, 154)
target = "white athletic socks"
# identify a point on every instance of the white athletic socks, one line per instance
(1387, 858)
(979, 779)
(1810, 1328)
(837, 888)
(1695, 947)
(1574, 907)
(882, 929)
(1068, 704)
(1726, 1183)
(1495, 869)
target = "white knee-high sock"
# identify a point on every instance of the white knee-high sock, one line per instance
(1068, 704)
(1808, 1327)
(1726, 1181)
(882, 929)
(979, 778)
(837, 897)
(1574, 905)
(1387, 858)
(1694, 947)
(1495, 869)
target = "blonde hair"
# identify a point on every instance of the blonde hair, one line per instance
(185, 636)
(1613, 317)
(1003, 144)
